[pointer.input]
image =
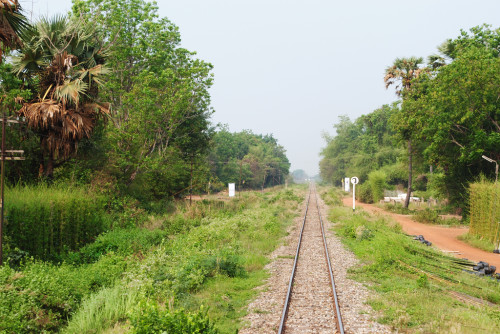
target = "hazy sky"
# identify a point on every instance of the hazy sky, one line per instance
(290, 68)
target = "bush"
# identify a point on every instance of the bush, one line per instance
(376, 179)
(428, 216)
(42, 296)
(49, 221)
(151, 318)
(364, 193)
(123, 242)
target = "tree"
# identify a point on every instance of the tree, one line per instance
(159, 92)
(63, 63)
(360, 147)
(12, 25)
(460, 117)
(401, 74)
(257, 160)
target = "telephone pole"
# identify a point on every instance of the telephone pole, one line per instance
(5, 155)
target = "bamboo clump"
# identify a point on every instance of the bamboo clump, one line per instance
(484, 209)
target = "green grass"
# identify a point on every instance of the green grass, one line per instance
(478, 242)
(102, 310)
(414, 282)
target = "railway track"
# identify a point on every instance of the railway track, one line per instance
(311, 304)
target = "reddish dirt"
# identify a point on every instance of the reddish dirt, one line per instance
(444, 238)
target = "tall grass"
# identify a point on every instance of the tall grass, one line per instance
(102, 310)
(48, 221)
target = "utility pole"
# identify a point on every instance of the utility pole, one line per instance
(3, 157)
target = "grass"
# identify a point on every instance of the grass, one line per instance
(103, 310)
(415, 283)
(478, 242)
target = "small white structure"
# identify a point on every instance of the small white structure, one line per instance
(400, 198)
(347, 182)
(232, 189)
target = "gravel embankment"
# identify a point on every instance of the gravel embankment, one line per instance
(265, 311)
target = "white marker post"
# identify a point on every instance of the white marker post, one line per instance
(354, 181)
(232, 189)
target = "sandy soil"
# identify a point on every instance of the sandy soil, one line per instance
(444, 238)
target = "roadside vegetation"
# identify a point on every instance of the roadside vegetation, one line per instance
(418, 289)
(193, 269)
(115, 125)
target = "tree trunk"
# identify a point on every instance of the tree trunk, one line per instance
(410, 167)
(49, 171)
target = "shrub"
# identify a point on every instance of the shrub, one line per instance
(376, 179)
(151, 318)
(364, 193)
(428, 216)
(123, 242)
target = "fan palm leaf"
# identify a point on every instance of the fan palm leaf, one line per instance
(12, 25)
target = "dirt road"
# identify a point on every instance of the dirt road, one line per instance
(444, 238)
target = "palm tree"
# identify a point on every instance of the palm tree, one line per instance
(12, 25)
(63, 64)
(401, 74)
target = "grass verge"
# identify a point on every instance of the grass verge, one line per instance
(192, 271)
(419, 289)
(478, 242)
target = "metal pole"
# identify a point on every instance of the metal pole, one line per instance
(2, 167)
(353, 196)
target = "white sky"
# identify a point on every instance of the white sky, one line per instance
(290, 68)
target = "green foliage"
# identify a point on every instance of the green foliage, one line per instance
(161, 130)
(437, 185)
(122, 242)
(364, 193)
(103, 309)
(254, 160)
(359, 147)
(428, 216)
(40, 297)
(203, 254)
(376, 179)
(484, 209)
(151, 318)
(48, 221)
(397, 208)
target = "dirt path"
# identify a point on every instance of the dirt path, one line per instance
(444, 238)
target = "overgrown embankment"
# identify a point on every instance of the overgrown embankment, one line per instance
(193, 270)
(419, 289)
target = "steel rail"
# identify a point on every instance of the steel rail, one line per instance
(338, 318)
(340, 325)
(292, 276)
